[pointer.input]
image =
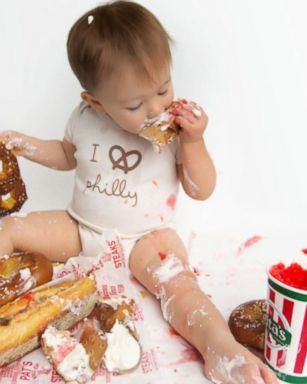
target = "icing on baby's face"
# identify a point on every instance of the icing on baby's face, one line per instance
(130, 99)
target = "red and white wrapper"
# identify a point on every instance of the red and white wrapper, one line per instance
(165, 355)
(286, 332)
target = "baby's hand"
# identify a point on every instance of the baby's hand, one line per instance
(193, 121)
(230, 363)
(17, 143)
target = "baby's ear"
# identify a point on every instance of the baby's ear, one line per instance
(92, 101)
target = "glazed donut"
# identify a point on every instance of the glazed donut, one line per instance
(21, 272)
(12, 189)
(247, 323)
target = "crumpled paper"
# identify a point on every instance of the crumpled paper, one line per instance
(166, 357)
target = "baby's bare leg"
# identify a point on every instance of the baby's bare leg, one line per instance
(52, 233)
(160, 262)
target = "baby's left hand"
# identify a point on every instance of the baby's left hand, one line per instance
(193, 121)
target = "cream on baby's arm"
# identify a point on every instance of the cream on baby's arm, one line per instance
(196, 169)
(54, 154)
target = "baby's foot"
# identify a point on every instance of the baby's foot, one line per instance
(228, 362)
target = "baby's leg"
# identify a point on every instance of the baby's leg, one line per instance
(52, 233)
(160, 262)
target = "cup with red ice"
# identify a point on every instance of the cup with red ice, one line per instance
(286, 332)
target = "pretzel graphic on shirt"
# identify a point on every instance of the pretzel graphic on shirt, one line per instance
(121, 162)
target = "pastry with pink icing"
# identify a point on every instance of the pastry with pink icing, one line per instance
(67, 355)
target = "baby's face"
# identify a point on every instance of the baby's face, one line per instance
(131, 99)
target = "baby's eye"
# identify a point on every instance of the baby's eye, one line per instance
(162, 92)
(135, 108)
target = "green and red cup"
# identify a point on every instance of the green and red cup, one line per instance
(286, 332)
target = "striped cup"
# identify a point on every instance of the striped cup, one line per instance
(286, 332)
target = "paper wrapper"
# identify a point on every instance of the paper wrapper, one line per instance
(166, 356)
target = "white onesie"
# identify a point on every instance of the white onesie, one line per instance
(121, 182)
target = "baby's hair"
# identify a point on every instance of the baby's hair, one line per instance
(109, 36)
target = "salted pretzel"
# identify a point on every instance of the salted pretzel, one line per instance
(22, 272)
(12, 189)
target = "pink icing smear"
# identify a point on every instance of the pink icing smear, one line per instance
(248, 243)
(171, 202)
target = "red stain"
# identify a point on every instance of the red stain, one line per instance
(134, 280)
(187, 355)
(248, 243)
(172, 331)
(162, 256)
(304, 251)
(28, 297)
(171, 202)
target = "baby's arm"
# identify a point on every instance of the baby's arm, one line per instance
(55, 154)
(196, 170)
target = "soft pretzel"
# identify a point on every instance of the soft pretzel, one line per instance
(21, 272)
(12, 189)
(247, 323)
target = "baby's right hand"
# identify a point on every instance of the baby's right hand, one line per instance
(17, 143)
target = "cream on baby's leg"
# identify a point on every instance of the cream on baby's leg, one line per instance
(52, 233)
(159, 261)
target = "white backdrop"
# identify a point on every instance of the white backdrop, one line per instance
(244, 61)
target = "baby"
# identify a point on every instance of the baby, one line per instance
(120, 53)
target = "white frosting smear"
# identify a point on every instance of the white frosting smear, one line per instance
(75, 365)
(227, 368)
(193, 187)
(170, 267)
(123, 351)
(17, 142)
(165, 302)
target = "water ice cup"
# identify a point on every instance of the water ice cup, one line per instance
(286, 331)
